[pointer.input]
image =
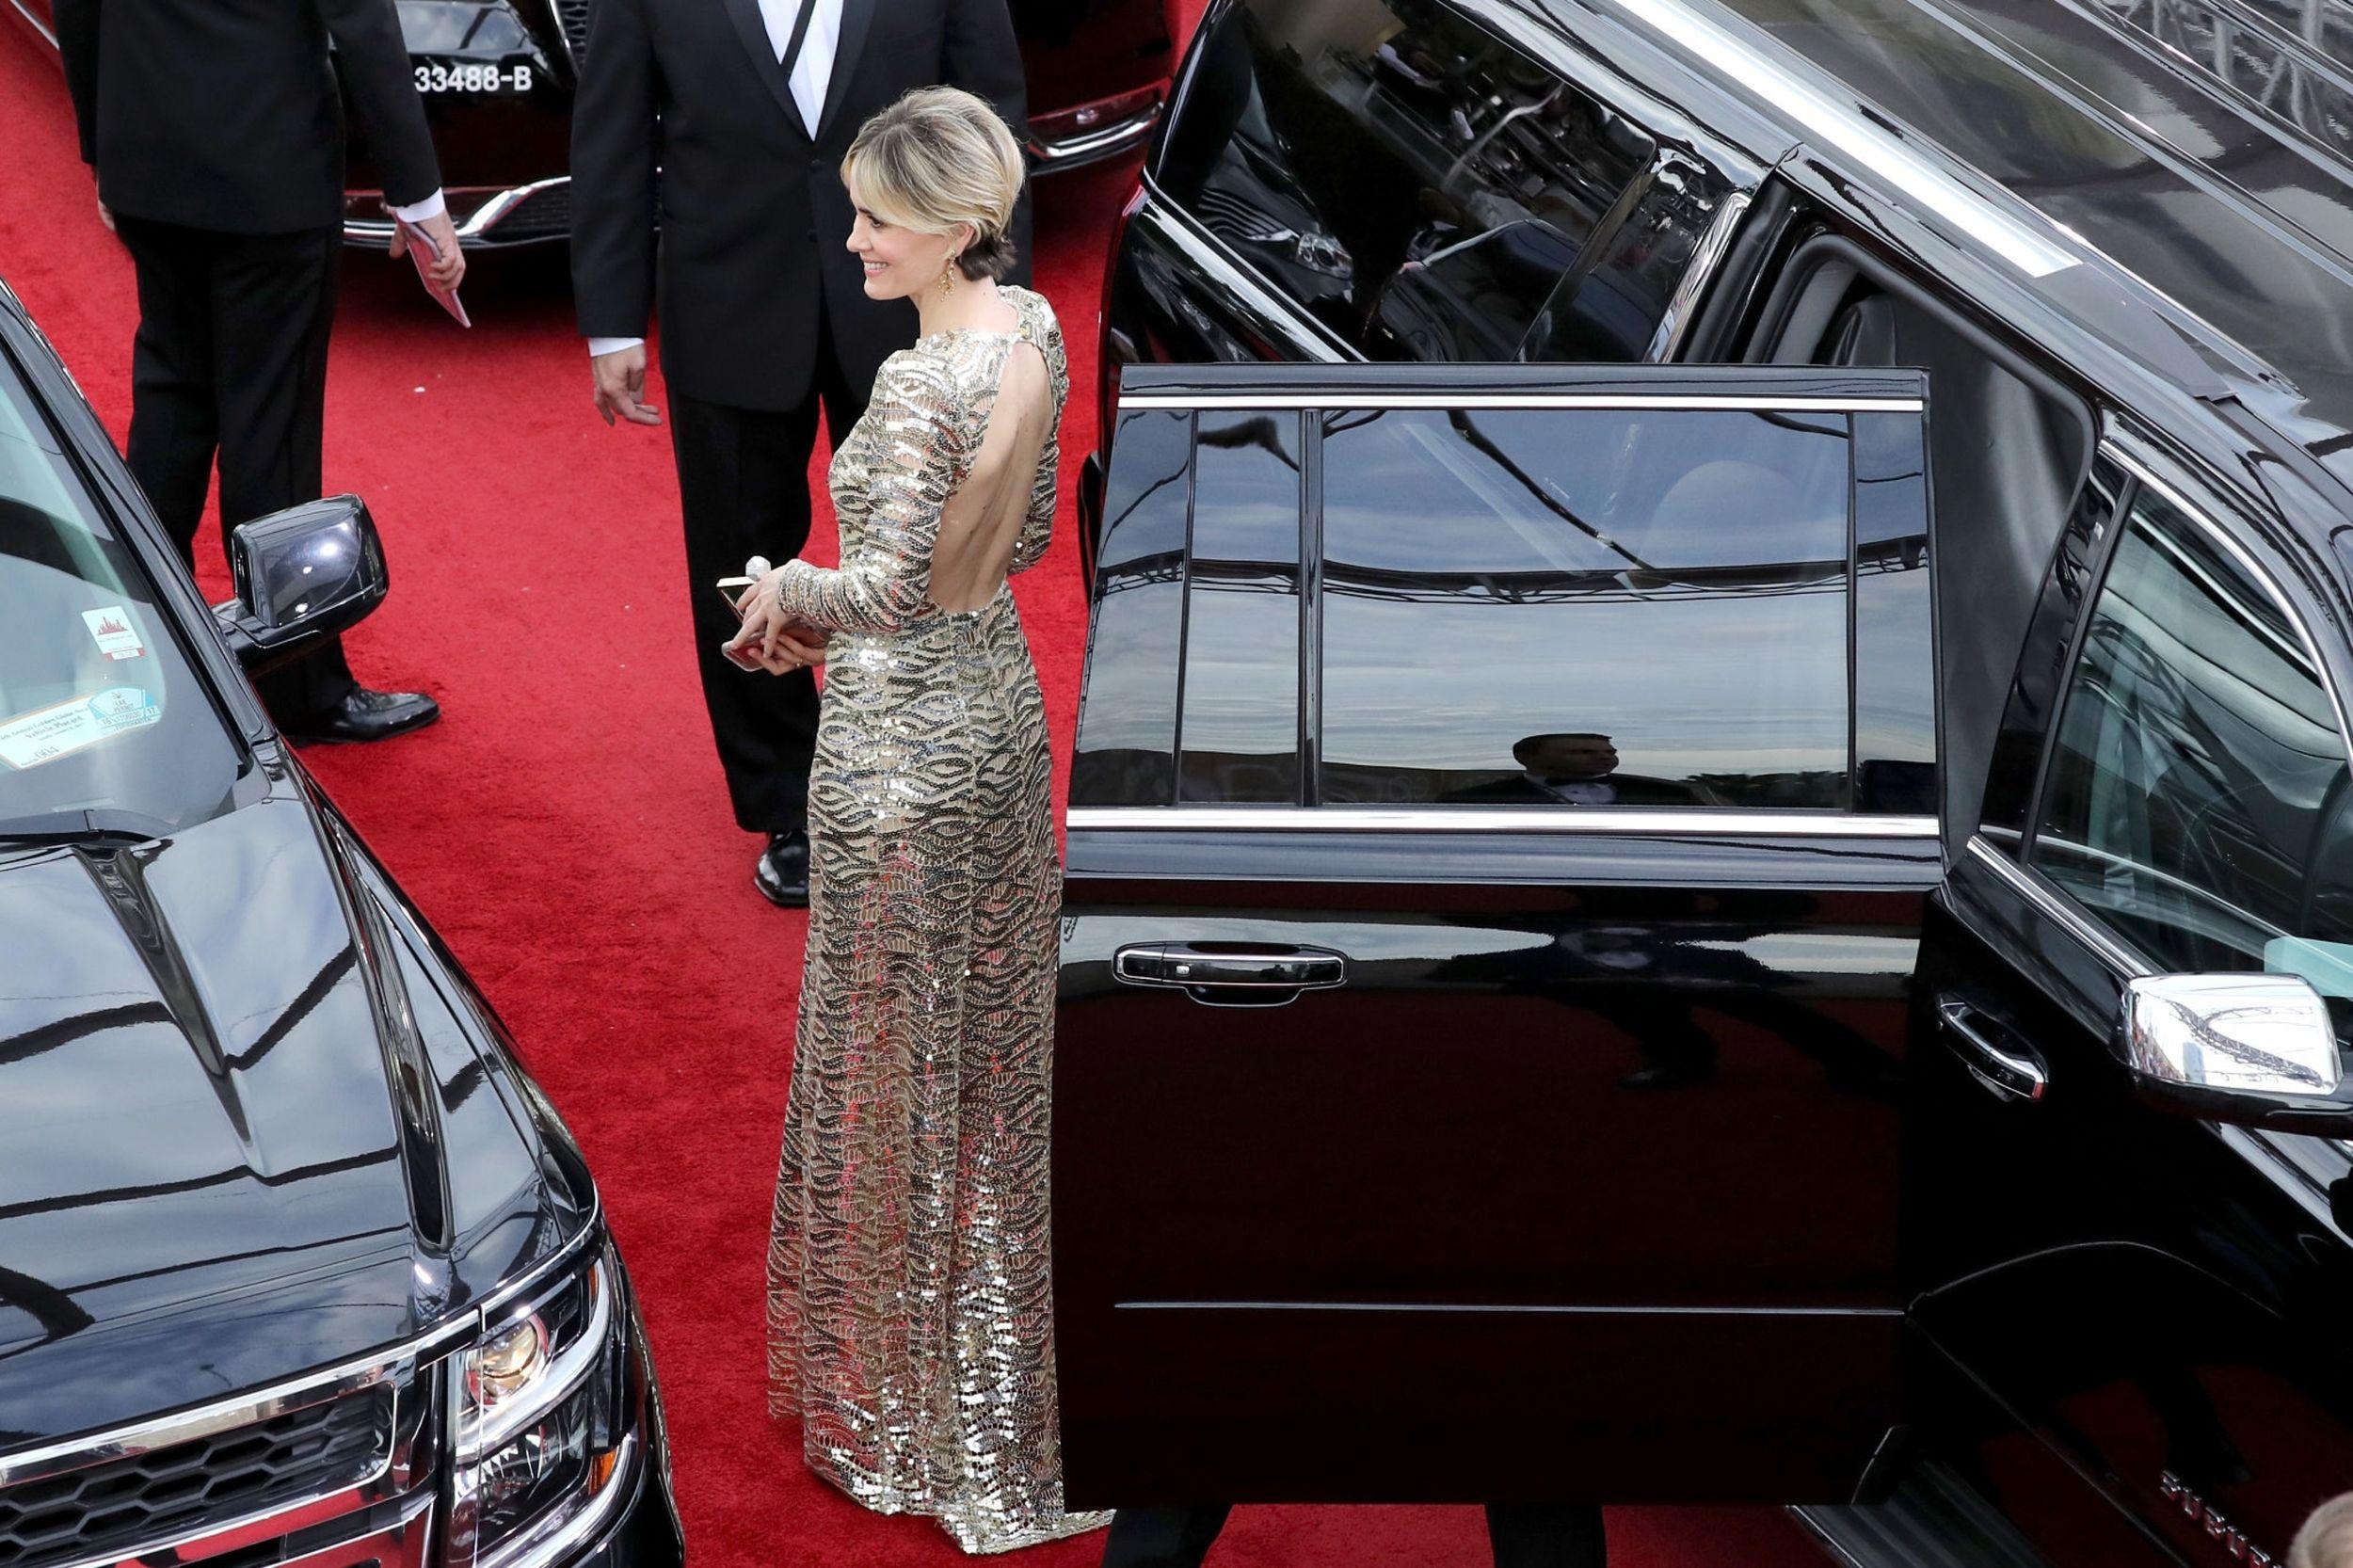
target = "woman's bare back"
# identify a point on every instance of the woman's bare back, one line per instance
(981, 521)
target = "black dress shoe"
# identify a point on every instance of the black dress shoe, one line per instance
(781, 872)
(364, 715)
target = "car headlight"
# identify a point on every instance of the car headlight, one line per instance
(545, 1418)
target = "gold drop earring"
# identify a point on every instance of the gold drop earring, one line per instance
(948, 277)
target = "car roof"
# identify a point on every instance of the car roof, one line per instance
(2198, 179)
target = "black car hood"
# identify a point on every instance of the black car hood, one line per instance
(225, 1118)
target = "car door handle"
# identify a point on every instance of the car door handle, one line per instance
(1995, 1052)
(1230, 974)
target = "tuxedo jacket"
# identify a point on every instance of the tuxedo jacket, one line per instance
(226, 115)
(752, 215)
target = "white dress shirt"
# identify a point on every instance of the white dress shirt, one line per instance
(812, 74)
(813, 71)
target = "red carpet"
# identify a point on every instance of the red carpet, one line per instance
(566, 826)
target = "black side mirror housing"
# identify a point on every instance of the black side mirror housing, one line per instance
(303, 575)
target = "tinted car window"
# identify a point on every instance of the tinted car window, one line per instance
(2197, 756)
(1411, 181)
(1613, 310)
(1895, 666)
(99, 708)
(1127, 750)
(1588, 607)
(1241, 726)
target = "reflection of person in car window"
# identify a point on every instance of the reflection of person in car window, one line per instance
(2327, 1539)
(1581, 768)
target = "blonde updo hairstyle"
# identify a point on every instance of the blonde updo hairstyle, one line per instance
(935, 159)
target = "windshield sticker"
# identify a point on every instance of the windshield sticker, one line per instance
(46, 734)
(117, 637)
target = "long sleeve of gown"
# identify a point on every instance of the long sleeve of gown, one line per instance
(886, 582)
(1037, 528)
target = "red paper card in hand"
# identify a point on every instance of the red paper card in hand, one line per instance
(422, 252)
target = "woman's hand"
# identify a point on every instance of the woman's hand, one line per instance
(768, 635)
(801, 645)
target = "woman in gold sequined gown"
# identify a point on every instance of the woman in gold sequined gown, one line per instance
(910, 1320)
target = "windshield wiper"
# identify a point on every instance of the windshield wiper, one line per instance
(95, 827)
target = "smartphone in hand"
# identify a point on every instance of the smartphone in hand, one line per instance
(731, 589)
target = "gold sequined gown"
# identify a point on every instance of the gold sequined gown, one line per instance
(910, 1320)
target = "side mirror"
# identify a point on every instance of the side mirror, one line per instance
(303, 575)
(2257, 1050)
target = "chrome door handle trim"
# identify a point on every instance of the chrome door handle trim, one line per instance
(2009, 1067)
(1261, 972)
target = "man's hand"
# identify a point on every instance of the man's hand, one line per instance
(448, 268)
(621, 385)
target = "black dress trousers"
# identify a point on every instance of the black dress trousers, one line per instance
(742, 477)
(231, 362)
(1520, 1535)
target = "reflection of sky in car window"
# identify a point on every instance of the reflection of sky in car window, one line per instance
(52, 567)
(1132, 652)
(88, 662)
(28, 472)
(1682, 688)
(1517, 490)
(1672, 579)
(1241, 624)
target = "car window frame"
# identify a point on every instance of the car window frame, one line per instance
(1813, 239)
(1831, 242)
(1307, 810)
(1613, 93)
(2144, 470)
(1787, 282)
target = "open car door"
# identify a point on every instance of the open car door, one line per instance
(1500, 825)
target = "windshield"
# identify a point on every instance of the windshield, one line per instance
(100, 707)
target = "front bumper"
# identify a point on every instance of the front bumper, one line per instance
(487, 217)
(494, 217)
(357, 1465)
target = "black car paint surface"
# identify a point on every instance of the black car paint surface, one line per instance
(203, 1144)
(256, 1124)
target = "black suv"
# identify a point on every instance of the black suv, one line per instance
(296, 1264)
(1608, 953)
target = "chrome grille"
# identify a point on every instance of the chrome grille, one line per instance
(543, 215)
(102, 1510)
(573, 14)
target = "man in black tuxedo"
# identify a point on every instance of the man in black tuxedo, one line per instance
(217, 130)
(746, 107)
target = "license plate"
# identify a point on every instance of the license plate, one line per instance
(473, 78)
